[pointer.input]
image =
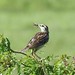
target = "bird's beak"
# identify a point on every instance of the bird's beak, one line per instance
(35, 24)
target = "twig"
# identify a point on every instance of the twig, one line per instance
(25, 55)
(19, 53)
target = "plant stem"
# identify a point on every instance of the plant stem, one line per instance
(19, 53)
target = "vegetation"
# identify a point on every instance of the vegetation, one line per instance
(51, 65)
(16, 22)
(26, 5)
(17, 18)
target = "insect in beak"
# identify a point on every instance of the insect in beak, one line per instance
(35, 24)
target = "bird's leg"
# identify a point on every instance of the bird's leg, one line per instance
(37, 55)
(34, 54)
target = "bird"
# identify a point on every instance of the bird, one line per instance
(39, 40)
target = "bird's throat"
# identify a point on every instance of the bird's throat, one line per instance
(43, 30)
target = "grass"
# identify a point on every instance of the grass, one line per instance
(16, 23)
(18, 27)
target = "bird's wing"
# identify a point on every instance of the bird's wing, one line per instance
(38, 40)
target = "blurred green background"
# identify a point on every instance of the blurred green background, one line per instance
(17, 18)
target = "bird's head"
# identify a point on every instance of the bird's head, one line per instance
(43, 27)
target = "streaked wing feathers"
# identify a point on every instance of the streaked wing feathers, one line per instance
(38, 40)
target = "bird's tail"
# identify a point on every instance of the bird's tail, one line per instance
(25, 49)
